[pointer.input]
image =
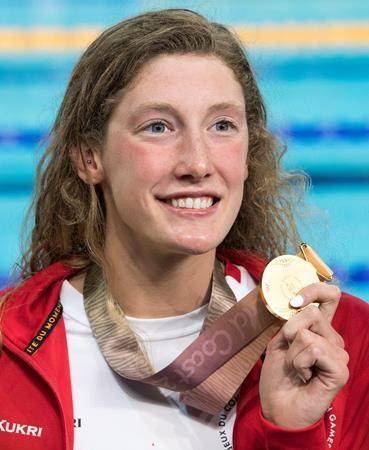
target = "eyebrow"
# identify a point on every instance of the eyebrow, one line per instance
(227, 105)
(168, 108)
(160, 107)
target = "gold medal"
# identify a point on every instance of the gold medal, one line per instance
(286, 275)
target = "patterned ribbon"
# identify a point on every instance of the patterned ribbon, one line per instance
(211, 369)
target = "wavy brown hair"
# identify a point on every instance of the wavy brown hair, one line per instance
(69, 215)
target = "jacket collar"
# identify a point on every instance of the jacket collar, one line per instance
(26, 309)
(252, 262)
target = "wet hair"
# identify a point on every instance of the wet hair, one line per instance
(69, 214)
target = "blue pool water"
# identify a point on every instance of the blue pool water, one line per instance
(317, 102)
(106, 12)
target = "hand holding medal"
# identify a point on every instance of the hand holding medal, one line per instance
(305, 364)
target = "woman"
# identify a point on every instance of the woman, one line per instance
(160, 164)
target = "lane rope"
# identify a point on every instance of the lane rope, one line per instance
(310, 34)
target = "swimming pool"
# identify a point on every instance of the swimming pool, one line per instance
(317, 101)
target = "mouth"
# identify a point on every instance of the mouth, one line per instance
(191, 203)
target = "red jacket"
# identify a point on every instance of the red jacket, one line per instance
(36, 409)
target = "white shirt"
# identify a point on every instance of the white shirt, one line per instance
(113, 413)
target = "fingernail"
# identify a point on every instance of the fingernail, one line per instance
(297, 301)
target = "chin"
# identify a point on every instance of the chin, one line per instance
(197, 246)
(197, 251)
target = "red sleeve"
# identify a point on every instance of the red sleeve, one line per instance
(352, 322)
(312, 437)
(345, 426)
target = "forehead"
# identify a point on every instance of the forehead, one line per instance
(184, 81)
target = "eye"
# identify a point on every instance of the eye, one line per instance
(224, 125)
(156, 127)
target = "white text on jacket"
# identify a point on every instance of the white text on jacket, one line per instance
(28, 430)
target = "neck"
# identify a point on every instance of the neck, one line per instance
(156, 291)
(154, 287)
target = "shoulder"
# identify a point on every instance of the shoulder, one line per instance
(26, 306)
(40, 281)
(36, 295)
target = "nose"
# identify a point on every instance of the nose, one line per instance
(194, 158)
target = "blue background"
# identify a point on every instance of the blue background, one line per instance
(317, 100)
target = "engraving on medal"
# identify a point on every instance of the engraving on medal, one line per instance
(290, 286)
(283, 260)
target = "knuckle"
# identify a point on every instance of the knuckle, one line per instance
(314, 313)
(339, 341)
(344, 356)
(304, 336)
(344, 376)
(295, 364)
(332, 336)
(288, 332)
(315, 351)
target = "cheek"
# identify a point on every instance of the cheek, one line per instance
(152, 166)
(134, 164)
(232, 163)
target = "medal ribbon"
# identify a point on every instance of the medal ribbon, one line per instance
(211, 369)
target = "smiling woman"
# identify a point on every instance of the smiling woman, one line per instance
(159, 201)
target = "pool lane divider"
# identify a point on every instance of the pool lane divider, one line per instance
(350, 131)
(303, 34)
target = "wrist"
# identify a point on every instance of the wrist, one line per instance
(288, 420)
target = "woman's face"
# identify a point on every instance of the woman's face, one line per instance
(174, 160)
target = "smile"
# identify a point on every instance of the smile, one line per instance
(191, 203)
(187, 205)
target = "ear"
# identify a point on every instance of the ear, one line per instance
(87, 163)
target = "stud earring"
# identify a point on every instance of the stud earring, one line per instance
(89, 161)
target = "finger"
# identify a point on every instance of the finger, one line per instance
(306, 339)
(311, 318)
(327, 362)
(327, 295)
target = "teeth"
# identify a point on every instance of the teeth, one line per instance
(191, 203)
